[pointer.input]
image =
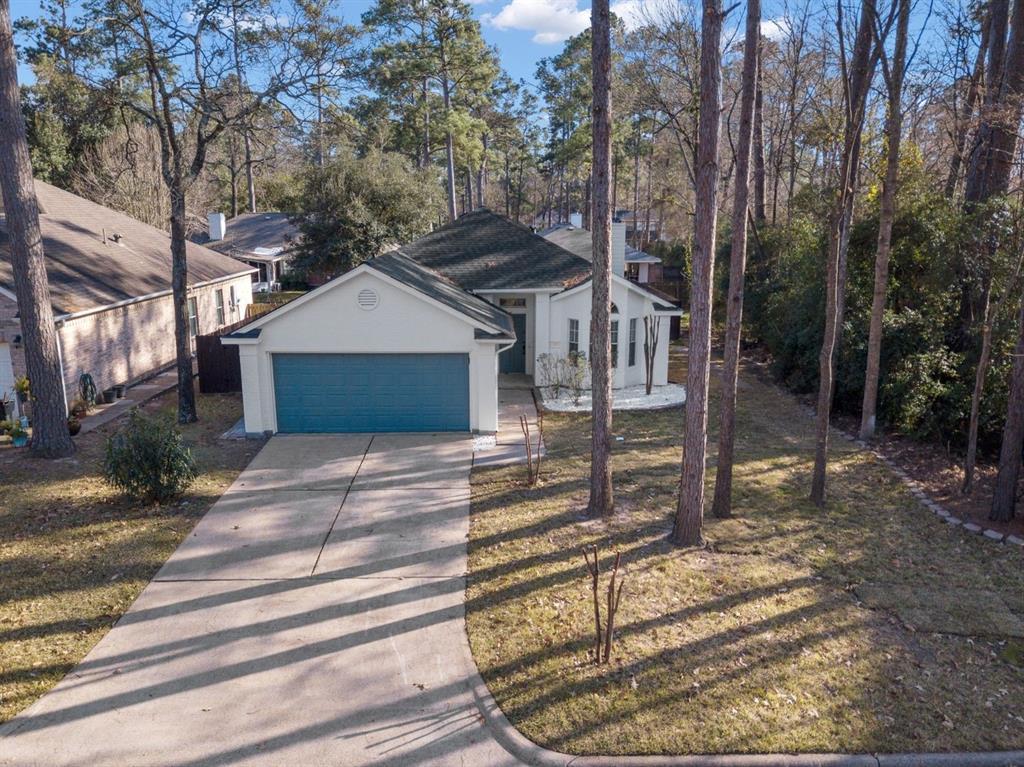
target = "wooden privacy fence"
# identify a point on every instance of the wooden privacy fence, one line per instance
(219, 368)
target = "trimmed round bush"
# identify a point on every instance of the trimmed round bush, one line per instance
(147, 459)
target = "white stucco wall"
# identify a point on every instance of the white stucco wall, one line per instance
(631, 304)
(332, 322)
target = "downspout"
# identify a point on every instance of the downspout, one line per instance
(60, 362)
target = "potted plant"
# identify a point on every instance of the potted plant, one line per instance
(74, 425)
(108, 396)
(6, 426)
(87, 389)
(21, 388)
(19, 436)
(79, 408)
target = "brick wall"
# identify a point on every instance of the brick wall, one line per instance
(127, 343)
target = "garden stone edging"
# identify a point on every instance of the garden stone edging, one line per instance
(929, 503)
(528, 752)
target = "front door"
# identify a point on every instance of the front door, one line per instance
(514, 360)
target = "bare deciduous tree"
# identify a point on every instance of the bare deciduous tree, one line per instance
(894, 75)
(652, 331)
(191, 107)
(857, 75)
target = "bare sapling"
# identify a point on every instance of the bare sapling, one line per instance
(652, 329)
(604, 636)
(594, 568)
(614, 597)
(533, 455)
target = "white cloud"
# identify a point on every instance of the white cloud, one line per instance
(553, 21)
(775, 29)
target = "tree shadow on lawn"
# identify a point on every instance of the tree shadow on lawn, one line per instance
(717, 650)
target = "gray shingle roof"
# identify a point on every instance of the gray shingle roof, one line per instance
(84, 272)
(484, 251)
(248, 231)
(580, 242)
(436, 286)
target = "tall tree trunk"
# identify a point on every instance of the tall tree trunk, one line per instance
(601, 498)
(449, 149)
(887, 214)
(179, 292)
(240, 84)
(481, 174)
(469, 190)
(861, 72)
(1004, 496)
(615, 185)
(690, 512)
(989, 176)
(636, 178)
(250, 178)
(50, 437)
(964, 124)
(722, 505)
(759, 179)
(425, 162)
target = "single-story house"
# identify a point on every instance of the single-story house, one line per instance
(110, 286)
(640, 267)
(263, 241)
(415, 339)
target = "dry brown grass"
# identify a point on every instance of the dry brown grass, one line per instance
(762, 642)
(74, 554)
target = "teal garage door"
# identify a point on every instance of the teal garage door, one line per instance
(371, 392)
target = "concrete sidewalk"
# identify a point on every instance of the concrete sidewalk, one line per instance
(315, 616)
(515, 399)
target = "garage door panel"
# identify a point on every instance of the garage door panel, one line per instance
(371, 392)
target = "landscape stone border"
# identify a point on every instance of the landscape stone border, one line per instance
(930, 503)
(917, 490)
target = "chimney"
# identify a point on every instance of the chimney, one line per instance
(619, 248)
(576, 219)
(218, 226)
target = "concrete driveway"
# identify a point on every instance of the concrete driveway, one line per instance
(313, 617)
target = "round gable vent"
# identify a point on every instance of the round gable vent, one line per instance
(368, 299)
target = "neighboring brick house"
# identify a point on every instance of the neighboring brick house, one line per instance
(110, 285)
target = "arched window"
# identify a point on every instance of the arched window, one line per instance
(615, 309)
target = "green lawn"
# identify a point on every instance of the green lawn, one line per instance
(872, 626)
(74, 554)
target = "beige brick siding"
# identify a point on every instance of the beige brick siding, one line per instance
(128, 343)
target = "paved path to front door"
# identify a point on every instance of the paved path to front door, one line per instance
(313, 617)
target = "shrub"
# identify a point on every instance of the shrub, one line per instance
(147, 459)
(576, 375)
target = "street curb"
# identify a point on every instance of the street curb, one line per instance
(528, 752)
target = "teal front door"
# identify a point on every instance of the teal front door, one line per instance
(371, 392)
(514, 360)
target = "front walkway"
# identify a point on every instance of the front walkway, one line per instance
(515, 399)
(313, 617)
(134, 396)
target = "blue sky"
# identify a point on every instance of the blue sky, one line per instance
(523, 31)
